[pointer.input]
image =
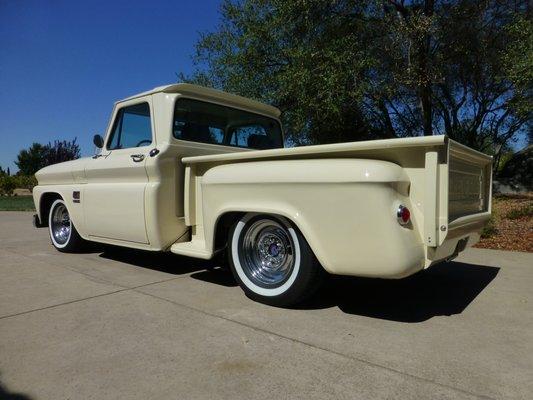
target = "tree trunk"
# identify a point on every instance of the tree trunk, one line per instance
(425, 91)
(425, 105)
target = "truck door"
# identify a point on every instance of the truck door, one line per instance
(116, 180)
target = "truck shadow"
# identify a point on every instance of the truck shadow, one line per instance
(6, 394)
(157, 261)
(444, 289)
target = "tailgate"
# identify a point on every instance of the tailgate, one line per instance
(469, 181)
(461, 201)
(457, 199)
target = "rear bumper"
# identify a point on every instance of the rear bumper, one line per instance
(469, 223)
(462, 233)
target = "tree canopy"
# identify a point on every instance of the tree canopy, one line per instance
(38, 156)
(365, 69)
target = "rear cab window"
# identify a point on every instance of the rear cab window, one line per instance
(205, 122)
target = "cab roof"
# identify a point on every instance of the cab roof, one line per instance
(211, 94)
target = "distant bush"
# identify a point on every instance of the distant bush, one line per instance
(9, 183)
(25, 182)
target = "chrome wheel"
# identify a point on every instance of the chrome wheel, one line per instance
(60, 225)
(267, 253)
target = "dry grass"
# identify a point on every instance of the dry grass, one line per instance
(511, 225)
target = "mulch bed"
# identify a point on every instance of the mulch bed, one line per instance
(511, 225)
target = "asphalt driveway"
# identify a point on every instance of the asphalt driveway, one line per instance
(124, 324)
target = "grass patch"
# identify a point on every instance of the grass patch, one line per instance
(524, 211)
(16, 203)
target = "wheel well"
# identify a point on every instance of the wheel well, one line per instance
(224, 224)
(44, 207)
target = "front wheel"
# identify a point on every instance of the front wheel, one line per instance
(272, 261)
(63, 234)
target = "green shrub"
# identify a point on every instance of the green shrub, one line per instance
(490, 229)
(10, 183)
(524, 211)
(7, 185)
(25, 182)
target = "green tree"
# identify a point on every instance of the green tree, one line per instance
(39, 156)
(518, 63)
(354, 70)
(60, 151)
(31, 160)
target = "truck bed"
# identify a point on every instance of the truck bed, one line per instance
(383, 149)
(449, 184)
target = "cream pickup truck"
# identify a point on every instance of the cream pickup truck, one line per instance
(196, 172)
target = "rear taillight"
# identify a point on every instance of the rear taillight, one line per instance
(403, 215)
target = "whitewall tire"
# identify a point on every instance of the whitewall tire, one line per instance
(63, 233)
(271, 260)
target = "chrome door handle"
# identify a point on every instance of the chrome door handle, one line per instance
(137, 157)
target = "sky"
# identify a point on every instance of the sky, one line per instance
(64, 63)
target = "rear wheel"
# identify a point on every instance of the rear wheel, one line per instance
(62, 231)
(272, 261)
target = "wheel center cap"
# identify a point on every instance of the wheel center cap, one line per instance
(273, 250)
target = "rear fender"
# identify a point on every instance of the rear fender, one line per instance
(345, 208)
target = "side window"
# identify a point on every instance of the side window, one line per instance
(132, 128)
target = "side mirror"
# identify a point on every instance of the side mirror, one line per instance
(98, 141)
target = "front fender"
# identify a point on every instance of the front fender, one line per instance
(75, 208)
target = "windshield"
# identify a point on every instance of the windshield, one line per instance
(200, 121)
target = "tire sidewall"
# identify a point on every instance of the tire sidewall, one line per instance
(253, 290)
(52, 208)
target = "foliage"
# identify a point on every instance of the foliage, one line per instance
(10, 183)
(524, 211)
(31, 160)
(25, 182)
(38, 156)
(502, 160)
(16, 203)
(518, 62)
(61, 151)
(7, 185)
(354, 70)
(490, 229)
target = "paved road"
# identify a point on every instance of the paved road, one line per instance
(123, 324)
